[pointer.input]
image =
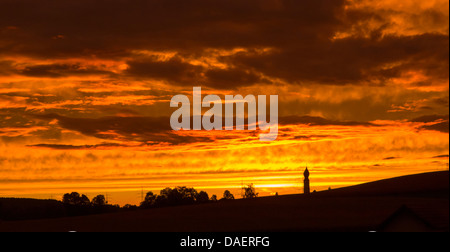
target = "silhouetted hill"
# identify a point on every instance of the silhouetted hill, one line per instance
(20, 209)
(358, 208)
(12, 209)
(433, 184)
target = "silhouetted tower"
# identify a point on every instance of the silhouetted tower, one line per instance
(306, 188)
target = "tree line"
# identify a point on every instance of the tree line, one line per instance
(188, 196)
(76, 204)
(180, 195)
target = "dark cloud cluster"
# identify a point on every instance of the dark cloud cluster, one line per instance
(319, 121)
(441, 127)
(61, 70)
(430, 118)
(111, 28)
(442, 156)
(126, 126)
(178, 72)
(353, 60)
(300, 34)
(152, 130)
(145, 130)
(436, 122)
(174, 71)
(76, 147)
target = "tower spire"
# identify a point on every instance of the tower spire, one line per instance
(306, 188)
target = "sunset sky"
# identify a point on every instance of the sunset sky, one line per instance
(85, 90)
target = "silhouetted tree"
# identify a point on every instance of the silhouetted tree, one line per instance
(188, 195)
(161, 201)
(213, 198)
(149, 201)
(99, 200)
(227, 195)
(76, 204)
(129, 207)
(75, 199)
(173, 196)
(85, 200)
(71, 198)
(177, 196)
(250, 192)
(180, 195)
(202, 197)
